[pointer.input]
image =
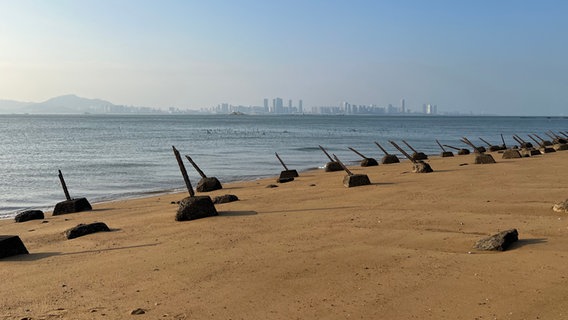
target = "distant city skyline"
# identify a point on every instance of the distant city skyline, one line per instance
(277, 107)
(483, 57)
(72, 103)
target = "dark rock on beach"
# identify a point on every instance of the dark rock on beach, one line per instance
(483, 158)
(498, 242)
(530, 152)
(419, 156)
(511, 154)
(421, 167)
(389, 158)
(197, 207)
(559, 140)
(72, 206)
(225, 198)
(480, 149)
(547, 150)
(85, 229)
(289, 174)
(284, 179)
(11, 246)
(29, 215)
(332, 166)
(369, 162)
(208, 184)
(356, 180)
(495, 148)
(138, 311)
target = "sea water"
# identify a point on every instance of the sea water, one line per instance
(106, 157)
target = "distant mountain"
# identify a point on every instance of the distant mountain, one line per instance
(11, 106)
(69, 104)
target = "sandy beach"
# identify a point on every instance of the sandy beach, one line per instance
(401, 248)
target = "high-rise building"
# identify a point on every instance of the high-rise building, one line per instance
(278, 105)
(300, 106)
(431, 109)
(343, 106)
(402, 106)
(266, 105)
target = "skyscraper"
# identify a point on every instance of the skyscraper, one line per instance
(266, 105)
(278, 105)
(402, 106)
(300, 107)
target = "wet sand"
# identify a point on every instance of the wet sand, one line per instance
(400, 248)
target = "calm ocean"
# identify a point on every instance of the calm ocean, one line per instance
(105, 157)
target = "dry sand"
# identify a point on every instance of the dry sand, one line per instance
(400, 248)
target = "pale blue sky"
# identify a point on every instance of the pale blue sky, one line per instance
(485, 56)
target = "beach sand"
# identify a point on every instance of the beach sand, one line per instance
(401, 248)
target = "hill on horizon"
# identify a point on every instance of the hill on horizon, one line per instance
(68, 104)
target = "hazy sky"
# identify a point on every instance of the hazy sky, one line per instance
(485, 56)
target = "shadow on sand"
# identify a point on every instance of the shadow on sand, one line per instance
(31, 256)
(236, 213)
(527, 242)
(43, 255)
(381, 183)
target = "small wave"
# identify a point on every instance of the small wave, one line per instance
(119, 164)
(135, 195)
(307, 149)
(11, 212)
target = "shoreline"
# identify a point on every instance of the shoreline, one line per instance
(146, 194)
(181, 189)
(399, 248)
